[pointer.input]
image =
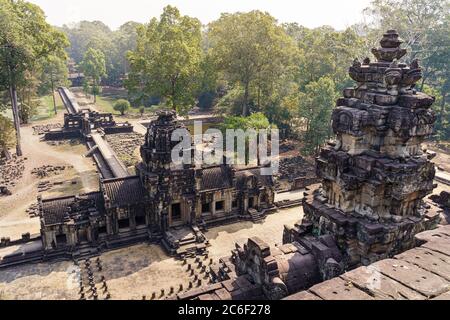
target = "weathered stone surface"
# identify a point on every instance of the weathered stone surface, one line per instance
(429, 260)
(444, 296)
(303, 296)
(375, 175)
(420, 280)
(371, 280)
(338, 289)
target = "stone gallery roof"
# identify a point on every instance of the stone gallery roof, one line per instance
(216, 178)
(243, 176)
(124, 191)
(55, 211)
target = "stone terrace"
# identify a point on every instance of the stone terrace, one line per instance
(422, 273)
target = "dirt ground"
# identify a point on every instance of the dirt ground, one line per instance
(14, 221)
(137, 271)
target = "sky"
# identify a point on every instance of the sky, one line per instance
(309, 13)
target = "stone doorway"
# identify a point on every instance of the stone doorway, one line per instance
(176, 212)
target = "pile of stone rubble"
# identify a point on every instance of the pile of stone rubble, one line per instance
(10, 172)
(125, 145)
(43, 129)
(48, 170)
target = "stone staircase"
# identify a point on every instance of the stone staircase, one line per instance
(255, 215)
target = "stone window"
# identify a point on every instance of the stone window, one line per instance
(140, 220)
(124, 223)
(220, 206)
(234, 204)
(102, 230)
(206, 208)
(61, 240)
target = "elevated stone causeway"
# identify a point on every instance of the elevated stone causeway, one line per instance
(422, 273)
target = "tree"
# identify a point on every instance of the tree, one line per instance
(94, 68)
(252, 50)
(25, 38)
(6, 135)
(122, 106)
(142, 110)
(113, 44)
(256, 121)
(166, 61)
(315, 107)
(54, 73)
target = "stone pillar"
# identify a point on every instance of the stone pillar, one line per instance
(245, 203)
(116, 224)
(132, 217)
(109, 226)
(228, 205)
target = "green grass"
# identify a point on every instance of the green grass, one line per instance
(46, 109)
(106, 104)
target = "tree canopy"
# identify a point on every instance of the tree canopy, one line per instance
(25, 39)
(167, 59)
(94, 68)
(251, 49)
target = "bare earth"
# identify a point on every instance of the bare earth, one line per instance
(137, 271)
(13, 219)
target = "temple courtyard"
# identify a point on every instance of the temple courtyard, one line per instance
(137, 271)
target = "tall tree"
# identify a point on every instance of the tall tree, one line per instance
(167, 59)
(54, 73)
(25, 38)
(252, 50)
(94, 69)
(315, 107)
(6, 135)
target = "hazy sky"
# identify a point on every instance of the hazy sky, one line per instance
(310, 13)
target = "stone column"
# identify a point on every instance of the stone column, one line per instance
(109, 226)
(132, 217)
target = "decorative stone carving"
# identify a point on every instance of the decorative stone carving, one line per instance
(376, 174)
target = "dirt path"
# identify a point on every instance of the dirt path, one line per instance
(13, 219)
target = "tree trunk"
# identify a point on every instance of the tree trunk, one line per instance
(94, 91)
(245, 112)
(174, 107)
(15, 110)
(441, 112)
(53, 93)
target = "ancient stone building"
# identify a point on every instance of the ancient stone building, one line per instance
(370, 204)
(376, 174)
(162, 196)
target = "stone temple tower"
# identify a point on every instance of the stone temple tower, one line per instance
(164, 182)
(376, 174)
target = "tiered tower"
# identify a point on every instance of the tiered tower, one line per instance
(375, 175)
(163, 180)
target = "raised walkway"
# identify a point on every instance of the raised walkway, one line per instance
(114, 164)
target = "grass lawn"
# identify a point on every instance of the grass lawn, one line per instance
(46, 109)
(106, 104)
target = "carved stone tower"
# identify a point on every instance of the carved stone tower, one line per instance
(376, 174)
(158, 174)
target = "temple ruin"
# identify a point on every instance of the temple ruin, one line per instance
(158, 199)
(370, 205)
